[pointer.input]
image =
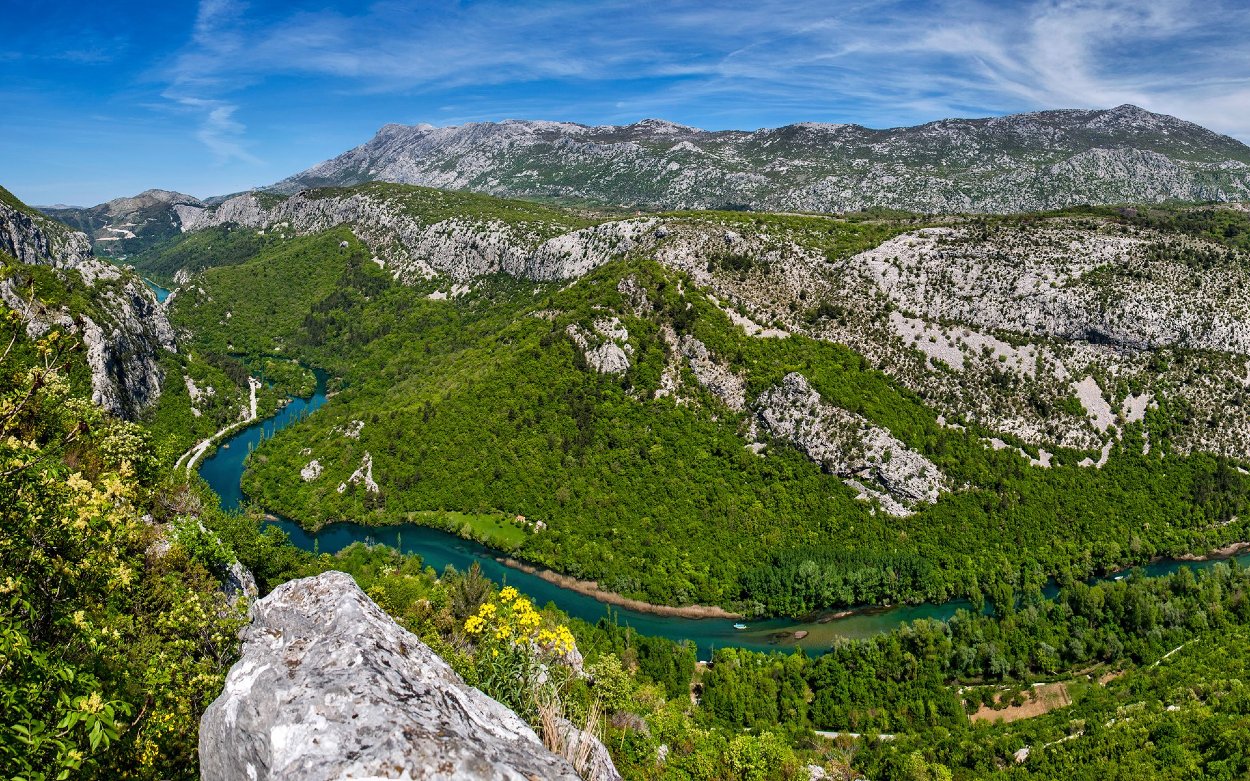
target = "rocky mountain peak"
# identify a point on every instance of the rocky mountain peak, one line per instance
(1023, 162)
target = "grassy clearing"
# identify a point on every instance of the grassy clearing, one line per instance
(496, 529)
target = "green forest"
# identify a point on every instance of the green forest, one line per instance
(116, 632)
(482, 404)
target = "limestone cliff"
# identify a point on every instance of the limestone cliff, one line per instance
(119, 321)
(331, 687)
(415, 243)
(848, 445)
(1023, 162)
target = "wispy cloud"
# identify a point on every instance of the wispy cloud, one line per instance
(871, 62)
(200, 80)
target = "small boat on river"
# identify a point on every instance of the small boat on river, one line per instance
(740, 626)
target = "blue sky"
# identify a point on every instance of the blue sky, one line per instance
(104, 99)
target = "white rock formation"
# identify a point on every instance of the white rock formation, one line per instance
(607, 350)
(330, 687)
(363, 474)
(718, 378)
(311, 472)
(847, 445)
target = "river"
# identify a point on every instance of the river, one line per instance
(161, 292)
(224, 470)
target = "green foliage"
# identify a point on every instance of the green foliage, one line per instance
(476, 407)
(225, 245)
(255, 307)
(107, 657)
(199, 544)
(172, 421)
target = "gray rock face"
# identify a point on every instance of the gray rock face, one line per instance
(848, 445)
(413, 247)
(239, 582)
(587, 752)
(27, 237)
(1023, 162)
(125, 329)
(330, 687)
(607, 350)
(125, 226)
(716, 377)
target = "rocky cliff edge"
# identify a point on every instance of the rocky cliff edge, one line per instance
(331, 687)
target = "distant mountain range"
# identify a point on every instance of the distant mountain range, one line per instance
(126, 225)
(1023, 162)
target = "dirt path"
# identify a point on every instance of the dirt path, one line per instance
(1042, 699)
(856, 735)
(196, 453)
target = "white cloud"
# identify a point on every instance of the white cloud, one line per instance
(875, 63)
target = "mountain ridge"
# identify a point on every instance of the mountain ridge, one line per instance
(1019, 162)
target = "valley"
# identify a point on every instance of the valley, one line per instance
(973, 479)
(646, 391)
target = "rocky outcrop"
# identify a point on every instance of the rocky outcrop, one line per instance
(848, 445)
(1024, 162)
(239, 582)
(363, 475)
(124, 329)
(330, 687)
(1067, 282)
(416, 245)
(716, 377)
(31, 238)
(607, 350)
(311, 472)
(585, 751)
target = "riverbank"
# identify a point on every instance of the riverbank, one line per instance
(587, 588)
(590, 588)
(1224, 552)
(197, 452)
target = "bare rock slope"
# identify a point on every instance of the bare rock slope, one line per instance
(1022, 162)
(123, 329)
(330, 687)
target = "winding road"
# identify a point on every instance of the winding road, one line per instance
(196, 453)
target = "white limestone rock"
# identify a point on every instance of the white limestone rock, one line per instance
(718, 378)
(606, 350)
(311, 472)
(329, 687)
(848, 445)
(363, 474)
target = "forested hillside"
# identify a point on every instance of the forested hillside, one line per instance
(689, 425)
(684, 434)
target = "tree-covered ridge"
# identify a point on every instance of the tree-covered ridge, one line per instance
(484, 403)
(192, 253)
(125, 616)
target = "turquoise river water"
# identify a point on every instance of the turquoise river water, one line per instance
(224, 470)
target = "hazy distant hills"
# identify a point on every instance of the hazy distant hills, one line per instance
(1023, 162)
